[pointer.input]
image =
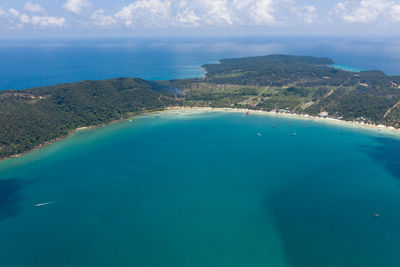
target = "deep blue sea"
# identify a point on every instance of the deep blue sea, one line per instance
(30, 63)
(188, 189)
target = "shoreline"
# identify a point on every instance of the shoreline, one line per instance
(72, 132)
(48, 143)
(328, 120)
(331, 121)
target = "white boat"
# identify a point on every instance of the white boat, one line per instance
(43, 204)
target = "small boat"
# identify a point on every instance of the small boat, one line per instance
(247, 113)
(294, 134)
(376, 215)
(259, 134)
(43, 204)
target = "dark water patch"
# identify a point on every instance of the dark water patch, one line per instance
(322, 224)
(387, 153)
(10, 197)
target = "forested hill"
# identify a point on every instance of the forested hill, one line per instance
(267, 70)
(298, 84)
(35, 116)
(306, 85)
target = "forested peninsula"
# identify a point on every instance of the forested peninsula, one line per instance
(291, 84)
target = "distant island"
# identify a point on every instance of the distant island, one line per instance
(290, 84)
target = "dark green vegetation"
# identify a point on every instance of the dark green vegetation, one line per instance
(35, 116)
(305, 85)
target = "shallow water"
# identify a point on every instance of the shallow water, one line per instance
(203, 189)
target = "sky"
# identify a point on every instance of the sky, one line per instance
(130, 18)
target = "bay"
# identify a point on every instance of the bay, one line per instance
(198, 188)
(204, 189)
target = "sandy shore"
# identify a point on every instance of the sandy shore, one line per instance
(332, 121)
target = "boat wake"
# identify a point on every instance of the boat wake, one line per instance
(43, 204)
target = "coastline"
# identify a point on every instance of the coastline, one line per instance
(332, 121)
(48, 143)
(74, 131)
(328, 120)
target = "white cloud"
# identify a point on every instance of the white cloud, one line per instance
(18, 19)
(34, 8)
(395, 13)
(341, 8)
(24, 18)
(310, 14)
(263, 11)
(218, 12)
(76, 6)
(48, 21)
(187, 17)
(364, 11)
(147, 13)
(255, 12)
(13, 12)
(152, 13)
(101, 20)
(196, 13)
(21, 20)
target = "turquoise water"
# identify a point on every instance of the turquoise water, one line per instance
(203, 189)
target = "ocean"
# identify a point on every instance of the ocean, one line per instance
(198, 188)
(204, 189)
(31, 63)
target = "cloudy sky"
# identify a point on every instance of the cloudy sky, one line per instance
(81, 18)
